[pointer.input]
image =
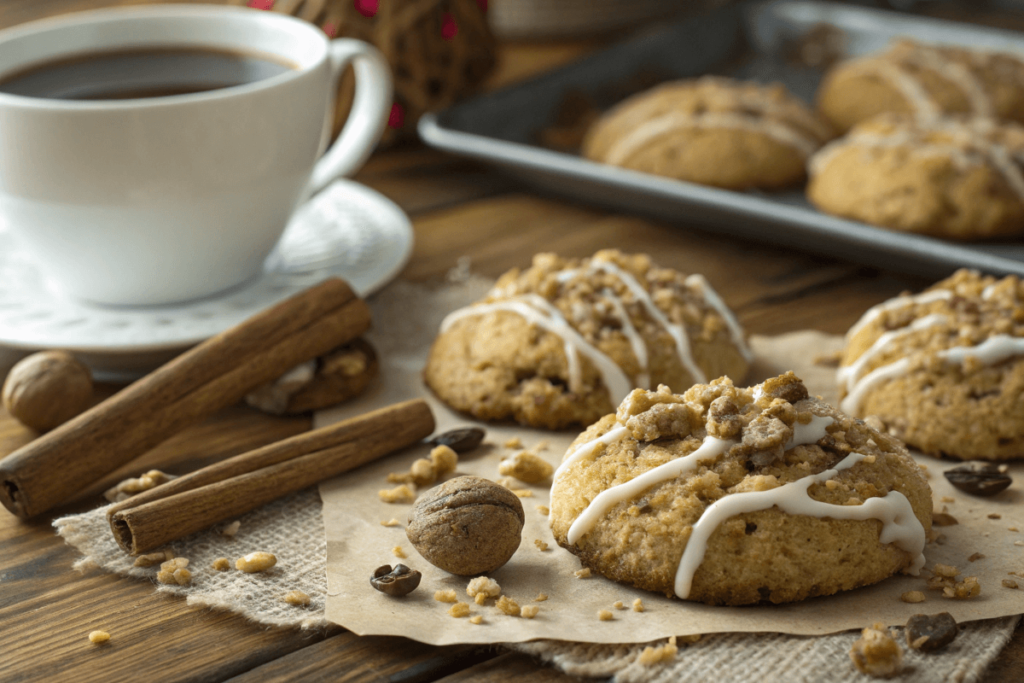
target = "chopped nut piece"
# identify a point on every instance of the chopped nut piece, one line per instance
(514, 442)
(476, 620)
(396, 582)
(870, 459)
(947, 499)
(605, 615)
(975, 557)
(398, 552)
(912, 596)
(444, 459)
(1012, 528)
(97, 637)
(391, 522)
(399, 494)
(222, 564)
(831, 484)
(422, 472)
(529, 611)
(943, 519)
(296, 598)
(541, 597)
(618, 605)
(963, 590)
(945, 570)
(255, 562)
(448, 595)
(505, 482)
(459, 610)
(483, 585)
(151, 559)
(171, 573)
(174, 563)
(526, 466)
(1010, 583)
(541, 545)
(876, 653)
(508, 606)
(129, 487)
(523, 493)
(582, 573)
(544, 510)
(994, 515)
(931, 632)
(655, 655)
(231, 529)
(638, 605)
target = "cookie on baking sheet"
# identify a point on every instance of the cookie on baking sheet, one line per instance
(943, 370)
(958, 178)
(564, 341)
(733, 496)
(923, 80)
(712, 131)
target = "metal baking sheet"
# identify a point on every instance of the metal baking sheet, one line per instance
(744, 40)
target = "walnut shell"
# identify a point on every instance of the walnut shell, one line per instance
(467, 525)
(46, 389)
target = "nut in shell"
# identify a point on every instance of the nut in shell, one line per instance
(46, 389)
(397, 582)
(467, 526)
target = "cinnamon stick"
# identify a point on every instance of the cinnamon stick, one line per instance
(235, 486)
(213, 375)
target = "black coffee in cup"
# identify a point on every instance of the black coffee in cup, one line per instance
(141, 73)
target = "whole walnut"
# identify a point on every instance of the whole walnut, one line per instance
(467, 525)
(46, 389)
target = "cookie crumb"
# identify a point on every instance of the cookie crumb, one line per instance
(222, 564)
(525, 466)
(945, 570)
(523, 493)
(541, 545)
(618, 605)
(876, 654)
(545, 510)
(480, 599)
(231, 529)
(943, 519)
(963, 590)
(582, 573)
(459, 610)
(153, 558)
(476, 620)
(297, 598)
(947, 499)
(255, 562)
(483, 585)
(391, 522)
(446, 596)
(912, 596)
(975, 557)
(97, 637)
(1010, 583)
(1012, 528)
(514, 442)
(994, 515)
(638, 605)
(508, 606)
(529, 611)
(399, 494)
(541, 597)
(444, 460)
(398, 552)
(655, 655)
(831, 484)
(605, 615)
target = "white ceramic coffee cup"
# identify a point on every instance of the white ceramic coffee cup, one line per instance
(168, 199)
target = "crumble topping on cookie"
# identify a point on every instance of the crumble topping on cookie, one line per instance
(729, 495)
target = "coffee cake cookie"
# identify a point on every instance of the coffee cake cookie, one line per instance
(733, 496)
(959, 178)
(564, 341)
(925, 81)
(712, 131)
(943, 370)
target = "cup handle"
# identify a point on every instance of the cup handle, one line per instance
(368, 117)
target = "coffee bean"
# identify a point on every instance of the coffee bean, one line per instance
(398, 581)
(459, 440)
(928, 633)
(979, 479)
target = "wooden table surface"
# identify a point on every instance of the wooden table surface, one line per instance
(458, 209)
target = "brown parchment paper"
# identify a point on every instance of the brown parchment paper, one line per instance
(357, 543)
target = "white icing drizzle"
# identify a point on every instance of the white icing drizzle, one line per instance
(538, 311)
(711, 296)
(908, 86)
(987, 293)
(892, 304)
(651, 129)
(583, 450)
(993, 350)
(851, 373)
(677, 332)
(899, 524)
(636, 341)
(809, 433)
(953, 71)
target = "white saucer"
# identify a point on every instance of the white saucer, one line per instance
(347, 230)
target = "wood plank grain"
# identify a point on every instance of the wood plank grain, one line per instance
(353, 659)
(510, 668)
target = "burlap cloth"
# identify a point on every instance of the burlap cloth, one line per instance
(292, 528)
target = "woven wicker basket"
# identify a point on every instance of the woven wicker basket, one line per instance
(553, 18)
(431, 67)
